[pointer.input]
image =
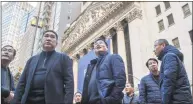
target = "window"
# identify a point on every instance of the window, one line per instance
(176, 43)
(69, 3)
(167, 4)
(170, 19)
(161, 25)
(158, 9)
(69, 17)
(84, 2)
(190, 32)
(186, 10)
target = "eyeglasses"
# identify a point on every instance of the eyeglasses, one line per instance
(100, 42)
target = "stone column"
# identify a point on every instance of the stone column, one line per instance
(108, 36)
(135, 33)
(111, 45)
(121, 45)
(75, 73)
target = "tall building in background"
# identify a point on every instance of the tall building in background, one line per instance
(29, 31)
(56, 16)
(69, 12)
(25, 50)
(15, 16)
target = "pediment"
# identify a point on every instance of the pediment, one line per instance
(97, 20)
(87, 21)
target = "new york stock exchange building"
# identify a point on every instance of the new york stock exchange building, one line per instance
(130, 29)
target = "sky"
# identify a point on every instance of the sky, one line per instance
(32, 3)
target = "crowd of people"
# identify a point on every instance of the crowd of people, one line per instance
(48, 77)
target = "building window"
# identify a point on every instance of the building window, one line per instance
(167, 4)
(170, 19)
(69, 18)
(158, 9)
(190, 32)
(176, 43)
(186, 10)
(69, 3)
(84, 2)
(161, 25)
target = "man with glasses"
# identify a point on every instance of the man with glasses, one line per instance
(105, 77)
(7, 83)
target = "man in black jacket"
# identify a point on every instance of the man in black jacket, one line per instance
(7, 82)
(47, 77)
(78, 97)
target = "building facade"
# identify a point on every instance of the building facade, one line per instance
(131, 29)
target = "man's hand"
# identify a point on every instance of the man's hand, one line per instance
(9, 98)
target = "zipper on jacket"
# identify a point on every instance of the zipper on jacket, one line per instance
(45, 60)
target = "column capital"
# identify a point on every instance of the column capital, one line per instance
(106, 34)
(118, 26)
(74, 58)
(135, 13)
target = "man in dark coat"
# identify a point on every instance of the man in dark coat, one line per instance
(105, 77)
(149, 92)
(78, 97)
(175, 87)
(130, 97)
(7, 83)
(47, 77)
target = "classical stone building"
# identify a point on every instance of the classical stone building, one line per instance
(131, 28)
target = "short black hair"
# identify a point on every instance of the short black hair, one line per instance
(102, 40)
(14, 51)
(78, 92)
(52, 32)
(161, 41)
(149, 60)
